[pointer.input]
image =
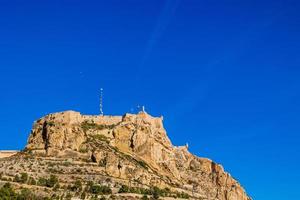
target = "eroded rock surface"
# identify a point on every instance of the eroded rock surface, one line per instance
(137, 149)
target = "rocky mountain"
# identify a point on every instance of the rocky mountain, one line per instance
(113, 157)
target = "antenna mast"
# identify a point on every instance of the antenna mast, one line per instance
(101, 101)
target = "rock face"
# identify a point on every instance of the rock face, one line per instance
(136, 148)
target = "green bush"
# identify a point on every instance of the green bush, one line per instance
(145, 197)
(32, 181)
(42, 181)
(56, 187)
(50, 182)
(143, 164)
(156, 192)
(77, 186)
(98, 189)
(8, 193)
(124, 189)
(83, 195)
(26, 194)
(183, 195)
(23, 178)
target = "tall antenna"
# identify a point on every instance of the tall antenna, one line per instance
(101, 101)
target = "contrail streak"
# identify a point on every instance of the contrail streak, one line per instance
(164, 19)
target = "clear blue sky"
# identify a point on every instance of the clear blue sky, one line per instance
(224, 74)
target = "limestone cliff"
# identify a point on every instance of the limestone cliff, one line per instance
(133, 147)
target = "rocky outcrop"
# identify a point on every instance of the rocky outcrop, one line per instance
(133, 147)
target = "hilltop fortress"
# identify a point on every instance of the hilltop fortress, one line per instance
(140, 136)
(132, 149)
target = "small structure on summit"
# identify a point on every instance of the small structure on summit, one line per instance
(141, 109)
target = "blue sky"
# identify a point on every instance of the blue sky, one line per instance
(224, 74)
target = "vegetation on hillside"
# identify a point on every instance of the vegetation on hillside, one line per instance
(155, 192)
(8, 193)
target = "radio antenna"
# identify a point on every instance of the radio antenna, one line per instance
(101, 101)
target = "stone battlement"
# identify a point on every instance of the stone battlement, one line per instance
(73, 117)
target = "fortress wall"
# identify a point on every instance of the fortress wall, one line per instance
(72, 117)
(102, 119)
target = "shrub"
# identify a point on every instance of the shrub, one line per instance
(183, 195)
(124, 189)
(143, 164)
(7, 192)
(56, 187)
(77, 186)
(24, 177)
(50, 123)
(68, 196)
(66, 163)
(156, 192)
(98, 189)
(42, 181)
(26, 194)
(83, 195)
(83, 150)
(145, 197)
(32, 181)
(51, 182)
